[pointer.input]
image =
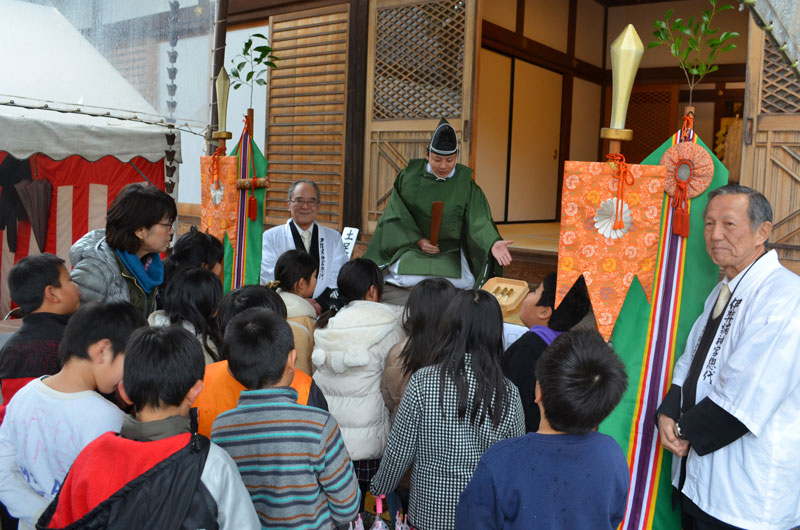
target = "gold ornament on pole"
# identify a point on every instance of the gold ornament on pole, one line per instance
(626, 53)
(223, 86)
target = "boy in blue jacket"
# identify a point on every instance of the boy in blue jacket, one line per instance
(566, 475)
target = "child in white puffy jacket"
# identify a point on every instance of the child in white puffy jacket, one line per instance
(350, 350)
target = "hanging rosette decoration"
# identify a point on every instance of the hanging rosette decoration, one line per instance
(613, 218)
(689, 172)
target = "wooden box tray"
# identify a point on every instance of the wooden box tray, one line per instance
(516, 290)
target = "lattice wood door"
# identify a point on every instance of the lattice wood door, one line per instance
(306, 113)
(771, 150)
(420, 64)
(652, 115)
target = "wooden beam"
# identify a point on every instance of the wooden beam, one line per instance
(355, 105)
(220, 33)
(509, 43)
(712, 95)
(567, 87)
(157, 26)
(619, 3)
(249, 11)
(603, 91)
(778, 122)
(673, 74)
(752, 102)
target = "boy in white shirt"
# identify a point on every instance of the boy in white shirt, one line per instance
(51, 419)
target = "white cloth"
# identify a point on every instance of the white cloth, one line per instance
(349, 355)
(42, 433)
(221, 477)
(332, 255)
(429, 169)
(511, 332)
(753, 374)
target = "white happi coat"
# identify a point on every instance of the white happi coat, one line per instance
(752, 371)
(332, 255)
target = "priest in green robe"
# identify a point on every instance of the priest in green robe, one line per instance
(469, 250)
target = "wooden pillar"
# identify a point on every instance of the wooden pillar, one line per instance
(752, 100)
(220, 32)
(355, 103)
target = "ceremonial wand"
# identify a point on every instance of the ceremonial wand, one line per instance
(436, 221)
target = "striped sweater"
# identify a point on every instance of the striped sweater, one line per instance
(291, 458)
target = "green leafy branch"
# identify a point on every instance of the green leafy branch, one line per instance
(251, 66)
(688, 41)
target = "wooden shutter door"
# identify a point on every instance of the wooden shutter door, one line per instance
(419, 69)
(306, 109)
(771, 137)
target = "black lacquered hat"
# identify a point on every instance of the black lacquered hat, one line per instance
(444, 140)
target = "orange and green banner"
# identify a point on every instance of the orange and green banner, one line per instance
(242, 263)
(650, 337)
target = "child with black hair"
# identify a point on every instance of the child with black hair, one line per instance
(296, 279)
(220, 389)
(452, 412)
(158, 472)
(191, 300)
(425, 306)
(51, 419)
(291, 457)
(574, 477)
(350, 352)
(194, 249)
(424, 309)
(544, 324)
(41, 287)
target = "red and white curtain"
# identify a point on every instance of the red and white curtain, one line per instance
(82, 191)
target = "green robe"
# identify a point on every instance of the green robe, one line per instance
(466, 224)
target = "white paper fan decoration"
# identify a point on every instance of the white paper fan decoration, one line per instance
(217, 194)
(604, 219)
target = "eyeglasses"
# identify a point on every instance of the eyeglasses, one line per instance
(305, 202)
(168, 226)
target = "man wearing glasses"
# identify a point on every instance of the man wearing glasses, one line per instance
(301, 232)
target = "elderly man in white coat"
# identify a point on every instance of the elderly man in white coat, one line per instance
(732, 415)
(301, 232)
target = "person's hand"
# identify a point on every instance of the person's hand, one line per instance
(427, 247)
(501, 253)
(668, 437)
(315, 304)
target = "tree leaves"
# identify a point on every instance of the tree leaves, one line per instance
(251, 66)
(698, 39)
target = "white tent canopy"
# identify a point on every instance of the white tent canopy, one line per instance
(49, 65)
(24, 132)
